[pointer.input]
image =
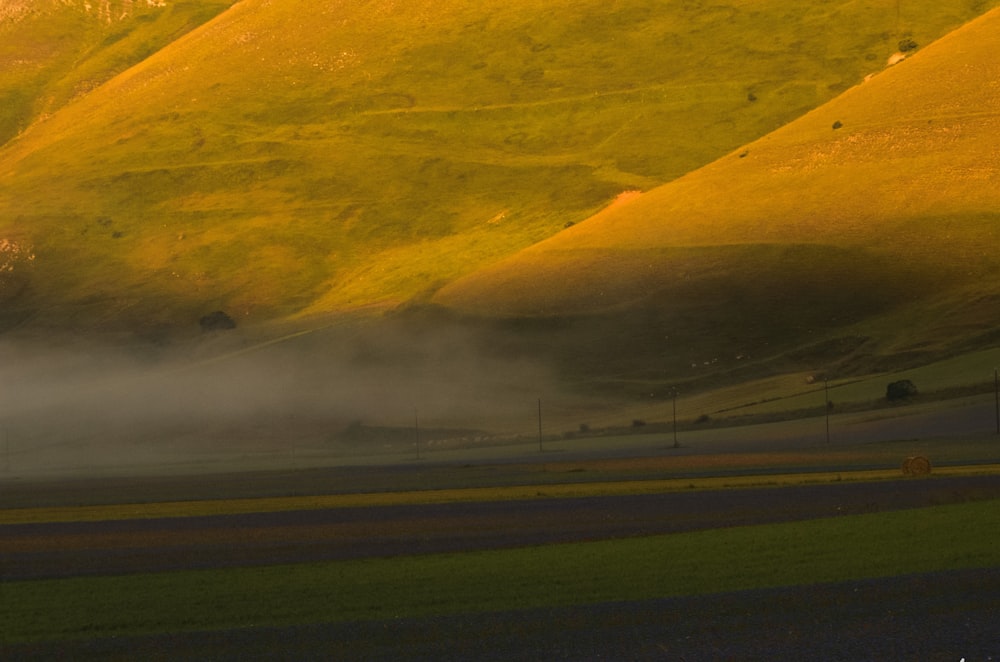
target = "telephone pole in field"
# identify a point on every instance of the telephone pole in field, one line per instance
(539, 425)
(416, 430)
(676, 444)
(996, 395)
(826, 406)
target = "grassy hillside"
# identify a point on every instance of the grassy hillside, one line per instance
(53, 52)
(861, 237)
(282, 160)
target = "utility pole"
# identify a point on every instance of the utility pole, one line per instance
(416, 431)
(676, 445)
(996, 395)
(539, 425)
(826, 406)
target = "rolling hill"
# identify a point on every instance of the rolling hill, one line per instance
(283, 161)
(859, 237)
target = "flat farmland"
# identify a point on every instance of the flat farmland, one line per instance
(45, 550)
(684, 557)
(929, 616)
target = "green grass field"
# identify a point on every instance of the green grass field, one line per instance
(840, 549)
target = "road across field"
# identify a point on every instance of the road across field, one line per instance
(67, 549)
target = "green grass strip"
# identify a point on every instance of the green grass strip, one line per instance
(803, 553)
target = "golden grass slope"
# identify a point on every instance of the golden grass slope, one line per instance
(899, 171)
(293, 158)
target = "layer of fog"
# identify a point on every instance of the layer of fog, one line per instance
(230, 402)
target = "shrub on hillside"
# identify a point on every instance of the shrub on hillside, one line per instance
(217, 321)
(900, 390)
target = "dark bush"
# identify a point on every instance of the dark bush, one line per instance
(217, 321)
(906, 45)
(900, 390)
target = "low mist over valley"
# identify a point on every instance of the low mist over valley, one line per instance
(79, 406)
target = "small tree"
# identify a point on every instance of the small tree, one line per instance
(217, 321)
(900, 390)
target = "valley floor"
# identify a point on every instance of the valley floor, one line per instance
(50, 550)
(945, 615)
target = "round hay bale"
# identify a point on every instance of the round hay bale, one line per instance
(918, 465)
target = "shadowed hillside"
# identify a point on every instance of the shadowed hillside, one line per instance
(863, 234)
(286, 160)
